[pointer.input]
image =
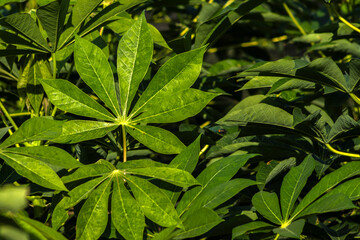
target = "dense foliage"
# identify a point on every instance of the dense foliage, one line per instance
(183, 119)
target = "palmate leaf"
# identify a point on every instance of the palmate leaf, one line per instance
(217, 173)
(172, 175)
(52, 17)
(93, 216)
(350, 188)
(33, 169)
(292, 231)
(153, 202)
(34, 129)
(125, 212)
(94, 69)
(81, 130)
(23, 24)
(133, 58)
(178, 73)
(242, 229)
(157, 139)
(67, 97)
(52, 156)
(293, 183)
(326, 183)
(267, 204)
(198, 223)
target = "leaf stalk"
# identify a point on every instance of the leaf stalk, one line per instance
(124, 142)
(342, 153)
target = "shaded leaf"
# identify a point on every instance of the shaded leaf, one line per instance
(292, 231)
(267, 204)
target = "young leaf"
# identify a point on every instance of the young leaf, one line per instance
(219, 172)
(93, 67)
(153, 202)
(198, 223)
(326, 183)
(178, 73)
(93, 216)
(126, 214)
(172, 175)
(33, 169)
(344, 127)
(157, 139)
(52, 156)
(82, 130)
(267, 204)
(174, 107)
(133, 58)
(293, 183)
(3, 131)
(292, 231)
(34, 129)
(67, 97)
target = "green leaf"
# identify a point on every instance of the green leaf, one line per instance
(350, 188)
(52, 156)
(13, 198)
(211, 31)
(242, 229)
(328, 203)
(34, 129)
(326, 183)
(153, 202)
(108, 14)
(23, 24)
(260, 82)
(125, 212)
(52, 17)
(141, 163)
(82, 191)
(178, 73)
(87, 171)
(82, 130)
(3, 131)
(80, 12)
(354, 75)
(93, 216)
(198, 223)
(67, 97)
(269, 171)
(217, 173)
(344, 127)
(214, 196)
(60, 213)
(172, 175)
(293, 183)
(34, 170)
(46, 232)
(157, 139)
(263, 114)
(267, 204)
(175, 107)
(93, 67)
(292, 231)
(133, 58)
(187, 161)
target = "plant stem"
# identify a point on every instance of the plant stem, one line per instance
(355, 98)
(53, 55)
(341, 153)
(297, 24)
(20, 114)
(124, 142)
(3, 109)
(203, 150)
(277, 237)
(350, 25)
